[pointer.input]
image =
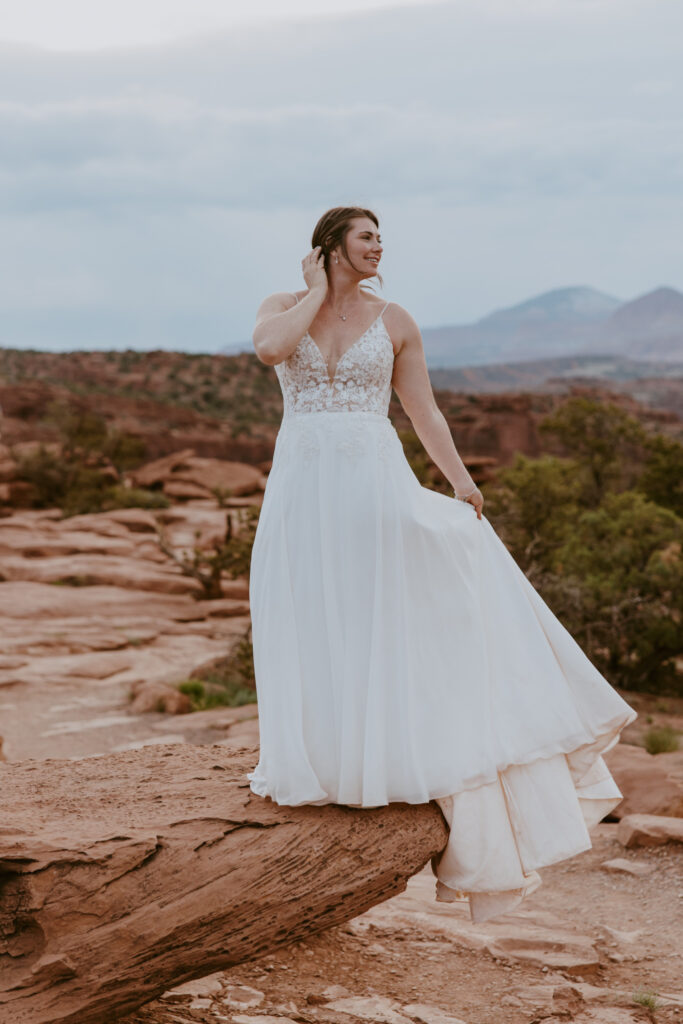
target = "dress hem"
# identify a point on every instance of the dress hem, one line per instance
(607, 736)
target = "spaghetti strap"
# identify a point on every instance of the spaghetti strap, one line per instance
(296, 298)
(388, 304)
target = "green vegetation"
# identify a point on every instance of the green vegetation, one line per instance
(647, 998)
(83, 478)
(231, 555)
(661, 740)
(600, 535)
(68, 483)
(230, 682)
(86, 432)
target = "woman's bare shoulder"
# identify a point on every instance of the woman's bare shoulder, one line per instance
(401, 318)
(276, 302)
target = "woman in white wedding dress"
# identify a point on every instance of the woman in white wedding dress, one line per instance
(400, 653)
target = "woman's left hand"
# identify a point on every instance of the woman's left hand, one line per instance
(475, 498)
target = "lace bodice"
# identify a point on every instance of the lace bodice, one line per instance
(361, 381)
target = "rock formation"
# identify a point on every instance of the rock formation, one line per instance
(123, 875)
(651, 784)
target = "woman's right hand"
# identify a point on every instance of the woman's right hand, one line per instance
(313, 266)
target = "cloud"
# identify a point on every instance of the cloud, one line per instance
(168, 153)
(142, 167)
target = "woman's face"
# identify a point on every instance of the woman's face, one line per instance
(364, 246)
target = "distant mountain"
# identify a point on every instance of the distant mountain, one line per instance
(565, 322)
(650, 327)
(562, 305)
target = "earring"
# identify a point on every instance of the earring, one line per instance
(336, 259)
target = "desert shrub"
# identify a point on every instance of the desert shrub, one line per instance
(599, 535)
(230, 555)
(230, 683)
(606, 442)
(64, 482)
(124, 450)
(662, 476)
(133, 497)
(80, 428)
(535, 505)
(661, 740)
(647, 998)
(625, 558)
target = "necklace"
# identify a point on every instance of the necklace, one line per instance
(341, 316)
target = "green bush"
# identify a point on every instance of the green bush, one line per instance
(230, 683)
(599, 535)
(64, 482)
(231, 554)
(662, 476)
(607, 443)
(625, 557)
(661, 740)
(133, 497)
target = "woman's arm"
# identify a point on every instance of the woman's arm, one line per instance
(413, 387)
(281, 324)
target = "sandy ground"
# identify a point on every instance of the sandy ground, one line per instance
(412, 950)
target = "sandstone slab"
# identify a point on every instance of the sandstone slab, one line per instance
(651, 784)
(157, 471)
(427, 1014)
(132, 873)
(373, 1008)
(649, 830)
(620, 865)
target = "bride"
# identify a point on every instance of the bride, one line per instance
(400, 653)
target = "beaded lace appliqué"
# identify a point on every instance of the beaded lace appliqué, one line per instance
(362, 379)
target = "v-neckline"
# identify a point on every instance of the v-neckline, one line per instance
(346, 351)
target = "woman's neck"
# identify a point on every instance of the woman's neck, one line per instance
(342, 294)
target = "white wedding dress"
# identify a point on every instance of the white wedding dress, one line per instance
(402, 655)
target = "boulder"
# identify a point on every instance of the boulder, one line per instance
(129, 874)
(186, 475)
(649, 830)
(651, 784)
(154, 696)
(156, 472)
(185, 490)
(236, 477)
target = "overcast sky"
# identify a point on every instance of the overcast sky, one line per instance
(163, 163)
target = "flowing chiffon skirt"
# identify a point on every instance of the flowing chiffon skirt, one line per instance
(402, 655)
